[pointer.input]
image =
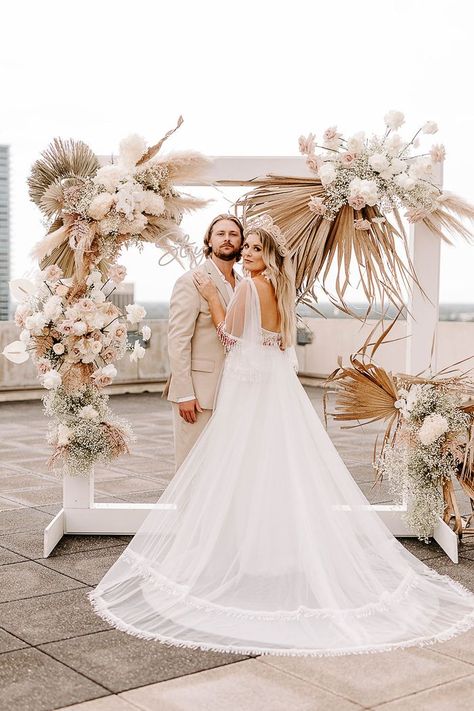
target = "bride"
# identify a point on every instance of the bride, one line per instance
(268, 546)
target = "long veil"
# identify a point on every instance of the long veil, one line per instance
(268, 545)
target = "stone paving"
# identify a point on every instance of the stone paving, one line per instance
(55, 653)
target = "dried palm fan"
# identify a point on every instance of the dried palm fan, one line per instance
(317, 245)
(61, 160)
(62, 163)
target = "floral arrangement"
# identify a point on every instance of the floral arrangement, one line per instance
(346, 216)
(381, 171)
(430, 450)
(429, 439)
(74, 343)
(94, 211)
(69, 326)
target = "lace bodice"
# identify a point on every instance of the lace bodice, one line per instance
(269, 338)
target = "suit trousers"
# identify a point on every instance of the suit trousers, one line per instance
(185, 433)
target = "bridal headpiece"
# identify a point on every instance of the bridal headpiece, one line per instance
(265, 222)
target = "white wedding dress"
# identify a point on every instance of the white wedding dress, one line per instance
(271, 547)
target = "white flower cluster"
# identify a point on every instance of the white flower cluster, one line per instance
(428, 450)
(60, 330)
(116, 198)
(84, 431)
(381, 171)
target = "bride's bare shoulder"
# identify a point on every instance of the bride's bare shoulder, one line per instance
(264, 287)
(265, 291)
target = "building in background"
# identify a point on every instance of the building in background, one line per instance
(4, 231)
(123, 295)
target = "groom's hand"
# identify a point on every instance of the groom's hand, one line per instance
(188, 410)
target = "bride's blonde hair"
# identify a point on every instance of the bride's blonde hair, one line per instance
(280, 273)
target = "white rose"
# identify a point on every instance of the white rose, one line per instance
(146, 333)
(379, 162)
(52, 380)
(58, 348)
(96, 347)
(96, 320)
(366, 188)
(430, 127)
(135, 313)
(97, 295)
(25, 335)
(327, 173)
(35, 323)
(100, 206)
(394, 119)
(94, 279)
(432, 428)
(79, 328)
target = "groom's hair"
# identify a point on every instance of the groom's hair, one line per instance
(207, 249)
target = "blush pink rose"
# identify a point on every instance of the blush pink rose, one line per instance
(53, 273)
(347, 159)
(66, 326)
(357, 202)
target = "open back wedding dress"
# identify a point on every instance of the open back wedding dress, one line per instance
(271, 547)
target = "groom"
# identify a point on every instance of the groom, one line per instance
(196, 354)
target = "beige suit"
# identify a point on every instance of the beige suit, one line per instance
(196, 355)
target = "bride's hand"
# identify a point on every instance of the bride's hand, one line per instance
(205, 286)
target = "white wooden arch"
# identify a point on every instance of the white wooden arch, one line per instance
(82, 515)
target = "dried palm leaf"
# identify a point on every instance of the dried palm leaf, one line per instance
(63, 256)
(153, 150)
(366, 392)
(62, 159)
(317, 245)
(56, 236)
(52, 201)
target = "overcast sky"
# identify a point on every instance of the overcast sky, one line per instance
(248, 77)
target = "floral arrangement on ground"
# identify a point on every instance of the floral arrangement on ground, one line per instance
(429, 438)
(69, 325)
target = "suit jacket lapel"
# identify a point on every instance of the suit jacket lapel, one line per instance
(217, 281)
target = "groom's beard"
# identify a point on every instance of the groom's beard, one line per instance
(227, 256)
